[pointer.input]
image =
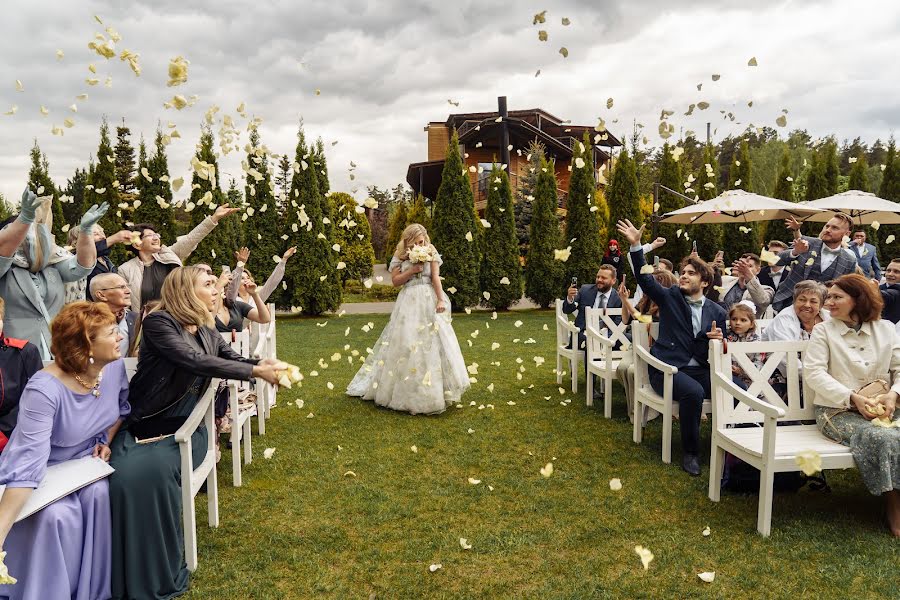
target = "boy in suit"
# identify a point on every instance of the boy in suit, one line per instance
(687, 321)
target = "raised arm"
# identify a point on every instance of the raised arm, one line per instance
(648, 283)
(240, 259)
(14, 234)
(85, 248)
(277, 275)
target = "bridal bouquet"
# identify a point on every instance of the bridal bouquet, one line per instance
(421, 254)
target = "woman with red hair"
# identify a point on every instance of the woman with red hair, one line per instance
(615, 258)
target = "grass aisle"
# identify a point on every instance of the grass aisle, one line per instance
(300, 528)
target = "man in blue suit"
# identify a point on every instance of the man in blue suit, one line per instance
(866, 256)
(687, 321)
(600, 294)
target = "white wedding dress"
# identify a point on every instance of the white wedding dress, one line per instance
(416, 365)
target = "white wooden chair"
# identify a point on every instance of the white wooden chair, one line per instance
(240, 419)
(567, 346)
(773, 447)
(192, 479)
(602, 334)
(264, 348)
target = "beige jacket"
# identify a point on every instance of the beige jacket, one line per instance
(133, 270)
(840, 360)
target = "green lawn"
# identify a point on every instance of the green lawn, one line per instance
(300, 528)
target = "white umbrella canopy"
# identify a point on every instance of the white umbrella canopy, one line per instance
(737, 206)
(863, 207)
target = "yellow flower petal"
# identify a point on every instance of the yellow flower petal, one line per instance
(809, 461)
(547, 470)
(645, 554)
(178, 71)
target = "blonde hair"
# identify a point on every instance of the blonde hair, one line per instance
(408, 238)
(43, 216)
(179, 299)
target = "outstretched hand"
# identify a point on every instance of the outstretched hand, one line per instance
(623, 290)
(222, 212)
(792, 223)
(801, 246)
(658, 243)
(630, 232)
(242, 255)
(92, 216)
(714, 333)
(289, 253)
(28, 207)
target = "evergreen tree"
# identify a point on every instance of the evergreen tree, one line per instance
(832, 170)
(708, 237)
(125, 173)
(419, 214)
(321, 166)
(734, 241)
(206, 196)
(101, 186)
(396, 224)
(40, 183)
(624, 203)
(156, 193)
(543, 273)
(353, 234)
(525, 193)
(602, 215)
(233, 227)
(784, 185)
(452, 218)
(582, 225)
(262, 223)
(74, 193)
(677, 246)
(890, 190)
(312, 273)
(141, 180)
(816, 184)
(501, 273)
(859, 174)
(5, 210)
(283, 176)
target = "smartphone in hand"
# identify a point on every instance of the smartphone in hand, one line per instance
(574, 282)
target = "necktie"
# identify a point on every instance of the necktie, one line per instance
(696, 309)
(695, 302)
(602, 301)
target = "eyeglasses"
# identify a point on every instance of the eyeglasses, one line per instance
(124, 286)
(152, 236)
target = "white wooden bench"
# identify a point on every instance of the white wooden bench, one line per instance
(772, 448)
(240, 419)
(602, 334)
(567, 346)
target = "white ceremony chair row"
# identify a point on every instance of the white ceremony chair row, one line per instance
(567, 347)
(193, 479)
(772, 448)
(265, 348)
(240, 419)
(607, 344)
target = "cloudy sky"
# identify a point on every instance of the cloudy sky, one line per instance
(386, 68)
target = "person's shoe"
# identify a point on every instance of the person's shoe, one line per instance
(691, 464)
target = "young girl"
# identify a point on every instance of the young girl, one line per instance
(742, 328)
(416, 365)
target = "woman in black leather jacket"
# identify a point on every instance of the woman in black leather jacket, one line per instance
(179, 353)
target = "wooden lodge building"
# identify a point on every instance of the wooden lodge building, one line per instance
(503, 136)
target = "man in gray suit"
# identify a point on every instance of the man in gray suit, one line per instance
(820, 259)
(866, 256)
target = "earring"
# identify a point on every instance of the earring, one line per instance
(91, 359)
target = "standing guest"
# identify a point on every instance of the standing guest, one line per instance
(614, 258)
(820, 258)
(599, 295)
(771, 275)
(69, 410)
(180, 352)
(146, 272)
(866, 256)
(102, 244)
(687, 321)
(112, 289)
(19, 361)
(30, 281)
(890, 292)
(854, 348)
(748, 287)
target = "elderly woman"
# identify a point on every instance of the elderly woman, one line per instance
(153, 261)
(180, 351)
(69, 410)
(853, 349)
(33, 270)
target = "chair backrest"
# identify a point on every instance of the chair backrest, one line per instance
(601, 320)
(239, 341)
(761, 325)
(640, 337)
(562, 330)
(798, 407)
(130, 366)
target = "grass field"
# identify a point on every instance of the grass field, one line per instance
(301, 528)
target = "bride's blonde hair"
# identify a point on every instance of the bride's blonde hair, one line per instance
(408, 238)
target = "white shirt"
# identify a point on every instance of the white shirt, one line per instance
(776, 277)
(786, 327)
(123, 329)
(829, 256)
(597, 299)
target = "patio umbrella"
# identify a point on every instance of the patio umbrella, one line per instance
(863, 207)
(737, 206)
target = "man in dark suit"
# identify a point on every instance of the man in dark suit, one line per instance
(600, 294)
(890, 292)
(112, 290)
(772, 275)
(687, 321)
(820, 258)
(866, 256)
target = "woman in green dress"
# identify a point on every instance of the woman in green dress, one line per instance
(180, 352)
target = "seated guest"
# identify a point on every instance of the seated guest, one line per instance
(820, 258)
(600, 294)
(646, 307)
(242, 276)
(146, 272)
(866, 255)
(687, 321)
(890, 292)
(68, 411)
(180, 351)
(854, 348)
(19, 360)
(742, 328)
(112, 290)
(103, 244)
(771, 275)
(748, 288)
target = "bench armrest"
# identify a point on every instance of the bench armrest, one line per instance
(654, 362)
(773, 412)
(196, 417)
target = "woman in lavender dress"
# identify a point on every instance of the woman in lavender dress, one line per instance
(69, 410)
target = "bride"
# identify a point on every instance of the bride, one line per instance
(416, 365)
